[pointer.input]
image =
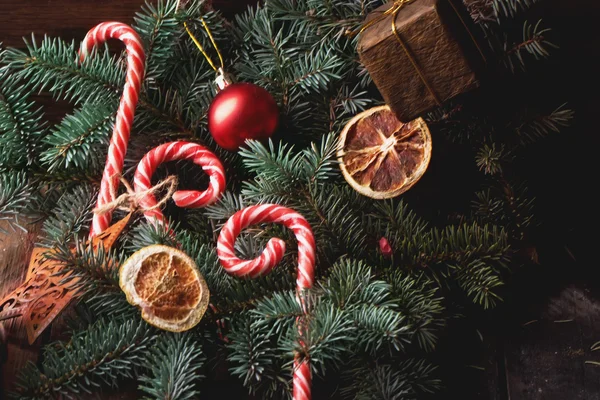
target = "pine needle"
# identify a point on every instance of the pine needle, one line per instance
(533, 321)
(593, 363)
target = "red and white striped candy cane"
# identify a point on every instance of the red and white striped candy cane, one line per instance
(199, 155)
(272, 255)
(120, 137)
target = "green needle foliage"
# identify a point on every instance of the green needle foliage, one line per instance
(19, 197)
(21, 129)
(175, 362)
(105, 353)
(373, 318)
(406, 380)
(80, 141)
(53, 65)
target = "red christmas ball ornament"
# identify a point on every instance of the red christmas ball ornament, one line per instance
(242, 111)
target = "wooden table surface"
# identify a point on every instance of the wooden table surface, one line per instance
(73, 18)
(543, 359)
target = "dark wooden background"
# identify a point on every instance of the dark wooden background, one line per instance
(535, 346)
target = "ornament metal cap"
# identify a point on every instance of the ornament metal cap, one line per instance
(223, 79)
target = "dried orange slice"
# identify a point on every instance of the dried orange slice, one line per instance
(380, 156)
(165, 283)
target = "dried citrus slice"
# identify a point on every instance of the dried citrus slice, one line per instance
(165, 283)
(380, 156)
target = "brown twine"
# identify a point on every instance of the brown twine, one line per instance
(133, 198)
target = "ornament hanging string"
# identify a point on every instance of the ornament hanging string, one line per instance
(201, 48)
(222, 79)
(393, 11)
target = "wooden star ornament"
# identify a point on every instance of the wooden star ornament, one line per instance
(46, 291)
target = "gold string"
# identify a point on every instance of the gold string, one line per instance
(201, 48)
(413, 61)
(392, 10)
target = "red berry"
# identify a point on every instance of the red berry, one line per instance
(385, 247)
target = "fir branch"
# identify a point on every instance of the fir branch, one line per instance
(463, 244)
(92, 271)
(205, 256)
(162, 110)
(159, 29)
(397, 221)
(534, 42)
(103, 354)
(278, 311)
(21, 126)
(336, 218)
(19, 198)
(490, 158)
(379, 327)
(261, 190)
(80, 140)
(193, 83)
(328, 340)
(53, 65)
(489, 207)
(70, 216)
(147, 233)
(252, 356)
(349, 102)
(418, 298)
(479, 280)
(331, 19)
(352, 283)
(481, 11)
(315, 71)
(251, 352)
(403, 381)
(107, 303)
(352, 287)
(319, 162)
(267, 59)
(227, 205)
(174, 364)
(279, 171)
(533, 129)
(275, 163)
(308, 117)
(508, 205)
(510, 8)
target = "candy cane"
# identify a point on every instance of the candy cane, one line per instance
(199, 155)
(272, 255)
(125, 113)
